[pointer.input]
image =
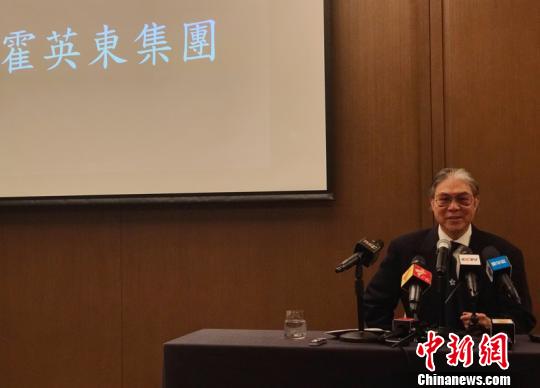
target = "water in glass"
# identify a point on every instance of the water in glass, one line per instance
(295, 324)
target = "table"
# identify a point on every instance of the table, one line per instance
(264, 358)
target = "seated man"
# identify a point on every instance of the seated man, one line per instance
(454, 201)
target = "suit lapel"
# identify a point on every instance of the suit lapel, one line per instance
(476, 240)
(428, 248)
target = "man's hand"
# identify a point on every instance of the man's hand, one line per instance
(479, 319)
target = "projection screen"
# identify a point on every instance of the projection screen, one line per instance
(129, 99)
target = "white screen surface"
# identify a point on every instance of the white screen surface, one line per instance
(173, 96)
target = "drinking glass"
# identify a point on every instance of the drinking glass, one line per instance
(295, 324)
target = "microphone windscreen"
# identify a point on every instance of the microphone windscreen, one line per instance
(443, 243)
(419, 260)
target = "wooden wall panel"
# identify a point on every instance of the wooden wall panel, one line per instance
(60, 299)
(492, 100)
(437, 134)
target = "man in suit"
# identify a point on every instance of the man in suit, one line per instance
(454, 200)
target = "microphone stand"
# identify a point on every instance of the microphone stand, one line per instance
(441, 289)
(441, 268)
(359, 335)
(417, 332)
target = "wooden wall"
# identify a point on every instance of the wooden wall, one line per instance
(89, 294)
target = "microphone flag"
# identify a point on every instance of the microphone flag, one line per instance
(418, 272)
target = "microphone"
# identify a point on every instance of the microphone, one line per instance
(417, 279)
(468, 267)
(365, 253)
(499, 270)
(443, 248)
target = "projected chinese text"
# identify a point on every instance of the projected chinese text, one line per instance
(199, 44)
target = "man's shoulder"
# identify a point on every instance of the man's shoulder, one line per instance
(491, 239)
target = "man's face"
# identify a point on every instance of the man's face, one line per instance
(454, 206)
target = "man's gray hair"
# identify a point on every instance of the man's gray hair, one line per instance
(459, 173)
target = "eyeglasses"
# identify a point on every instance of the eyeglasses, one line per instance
(444, 200)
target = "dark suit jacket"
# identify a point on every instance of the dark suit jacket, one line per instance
(384, 291)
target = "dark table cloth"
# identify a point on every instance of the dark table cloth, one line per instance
(264, 358)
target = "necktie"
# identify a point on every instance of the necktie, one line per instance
(455, 245)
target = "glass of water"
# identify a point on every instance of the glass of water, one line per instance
(295, 324)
